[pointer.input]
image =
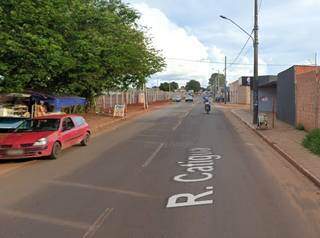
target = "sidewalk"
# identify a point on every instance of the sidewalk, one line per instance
(287, 141)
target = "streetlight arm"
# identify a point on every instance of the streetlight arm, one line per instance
(236, 24)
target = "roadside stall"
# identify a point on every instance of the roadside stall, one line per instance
(43, 104)
(16, 107)
(57, 104)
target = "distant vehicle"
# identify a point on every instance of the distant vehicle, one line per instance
(44, 136)
(176, 99)
(191, 92)
(219, 99)
(189, 98)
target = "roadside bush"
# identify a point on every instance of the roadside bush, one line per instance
(312, 141)
(300, 127)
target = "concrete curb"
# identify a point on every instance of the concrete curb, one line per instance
(314, 179)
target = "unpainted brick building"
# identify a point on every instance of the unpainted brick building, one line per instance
(298, 96)
(308, 99)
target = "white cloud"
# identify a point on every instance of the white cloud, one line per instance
(176, 43)
(186, 56)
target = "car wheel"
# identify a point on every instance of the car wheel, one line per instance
(56, 151)
(85, 140)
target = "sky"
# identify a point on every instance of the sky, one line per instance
(195, 40)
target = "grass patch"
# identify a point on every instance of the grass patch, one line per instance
(312, 141)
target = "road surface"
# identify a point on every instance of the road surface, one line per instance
(172, 173)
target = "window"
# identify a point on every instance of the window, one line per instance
(39, 125)
(67, 124)
(79, 121)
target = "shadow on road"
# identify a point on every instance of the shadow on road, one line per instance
(16, 161)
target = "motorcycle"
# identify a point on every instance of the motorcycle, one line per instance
(207, 107)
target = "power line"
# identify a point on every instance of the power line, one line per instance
(220, 62)
(260, 5)
(242, 49)
(246, 43)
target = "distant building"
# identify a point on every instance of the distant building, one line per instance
(240, 91)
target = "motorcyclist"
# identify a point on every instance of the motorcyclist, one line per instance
(207, 104)
(206, 99)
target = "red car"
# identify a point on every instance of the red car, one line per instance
(45, 137)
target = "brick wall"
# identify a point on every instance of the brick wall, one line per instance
(307, 100)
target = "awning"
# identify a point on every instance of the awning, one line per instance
(61, 102)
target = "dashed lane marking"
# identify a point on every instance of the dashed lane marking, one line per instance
(180, 121)
(98, 223)
(154, 154)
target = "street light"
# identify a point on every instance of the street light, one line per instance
(233, 22)
(256, 60)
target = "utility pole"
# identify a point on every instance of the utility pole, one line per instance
(317, 91)
(145, 103)
(225, 80)
(256, 60)
(256, 65)
(218, 83)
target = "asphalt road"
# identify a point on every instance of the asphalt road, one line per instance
(129, 183)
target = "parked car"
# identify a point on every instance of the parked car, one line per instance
(45, 136)
(9, 124)
(189, 98)
(176, 99)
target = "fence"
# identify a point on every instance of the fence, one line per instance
(106, 103)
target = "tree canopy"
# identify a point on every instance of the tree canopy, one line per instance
(172, 86)
(193, 85)
(73, 47)
(217, 80)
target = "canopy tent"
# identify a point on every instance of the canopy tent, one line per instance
(31, 98)
(58, 102)
(61, 102)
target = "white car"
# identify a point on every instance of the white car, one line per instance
(176, 99)
(189, 98)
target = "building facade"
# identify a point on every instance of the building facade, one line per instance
(239, 93)
(267, 92)
(308, 100)
(296, 95)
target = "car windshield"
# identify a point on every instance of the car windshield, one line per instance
(34, 125)
(9, 124)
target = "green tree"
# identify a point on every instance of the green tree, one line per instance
(172, 86)
(164, 86)
(193, 85)
(217, 80)
(73, 47)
